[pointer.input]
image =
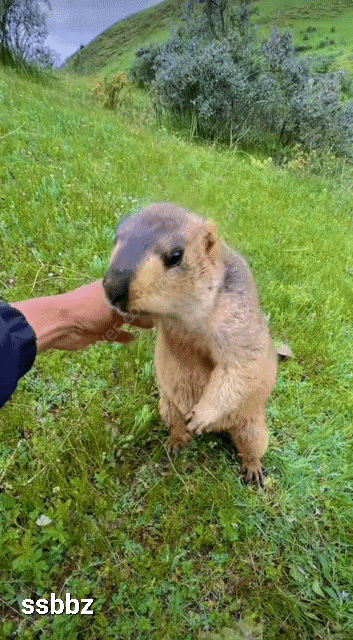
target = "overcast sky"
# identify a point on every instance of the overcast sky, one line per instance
(74, 22)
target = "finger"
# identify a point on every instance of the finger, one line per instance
(124, 337)
(143, 322)
(120, 336)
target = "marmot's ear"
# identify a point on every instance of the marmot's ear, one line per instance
(206, 239)
(210, 237)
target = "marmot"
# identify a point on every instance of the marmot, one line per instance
(215, 364)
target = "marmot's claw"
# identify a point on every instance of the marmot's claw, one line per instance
(195, 427)
(193, 424)
(174, 445)
(253, 475)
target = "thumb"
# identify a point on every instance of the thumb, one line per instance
(122, 336)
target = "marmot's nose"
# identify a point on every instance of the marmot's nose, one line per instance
(116, 287)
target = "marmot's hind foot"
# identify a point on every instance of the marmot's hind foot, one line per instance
(253, 473)
(175, 443)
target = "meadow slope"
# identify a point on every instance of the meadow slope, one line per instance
(175, 550)
(320, 27)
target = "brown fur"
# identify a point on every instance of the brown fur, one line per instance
(215, 365)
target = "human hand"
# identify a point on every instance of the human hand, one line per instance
(77, 319)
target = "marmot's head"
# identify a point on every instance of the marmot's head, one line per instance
(166, 262)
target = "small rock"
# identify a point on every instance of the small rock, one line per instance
(284, 352)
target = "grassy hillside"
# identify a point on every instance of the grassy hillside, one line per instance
(114, 49)
(178, 550)
(319, 26)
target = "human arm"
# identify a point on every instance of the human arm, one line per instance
(17, 349)
(68, 321)
(76, 319)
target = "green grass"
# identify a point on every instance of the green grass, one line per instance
(171, 550)
(320, 26)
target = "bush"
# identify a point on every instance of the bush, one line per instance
(203, 83)
(229, 88)
(143, 71)
(109, 91)
(308, 105)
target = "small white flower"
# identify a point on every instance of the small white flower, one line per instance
(43, 521)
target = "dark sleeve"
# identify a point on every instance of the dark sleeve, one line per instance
(18, 349)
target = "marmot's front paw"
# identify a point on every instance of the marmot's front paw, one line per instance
(196, 422)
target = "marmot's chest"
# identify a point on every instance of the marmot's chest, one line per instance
(183, 364)
(190, 350)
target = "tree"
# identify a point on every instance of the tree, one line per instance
(222, 15)
(23, 32)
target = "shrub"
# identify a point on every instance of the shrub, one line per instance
(308, 105)
(109, 91)
(203, 83)
(143, 71)
(227, 87)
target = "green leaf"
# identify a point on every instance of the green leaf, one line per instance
(332, 593)
(296, 574)
(6, 501)
(316, 587)
(325, 567)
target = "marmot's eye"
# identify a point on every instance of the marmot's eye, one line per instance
(174, 258)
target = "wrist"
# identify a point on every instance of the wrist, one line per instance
(48, 318)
